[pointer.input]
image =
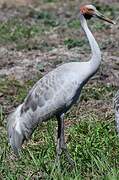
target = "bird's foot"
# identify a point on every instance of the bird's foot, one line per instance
(67, 155)
(70, 160)
(57, 161)
(59, 152)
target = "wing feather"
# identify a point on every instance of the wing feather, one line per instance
(52, 92)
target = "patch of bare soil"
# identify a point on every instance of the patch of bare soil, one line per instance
(26, 65)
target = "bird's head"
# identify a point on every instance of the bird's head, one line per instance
(89, 11)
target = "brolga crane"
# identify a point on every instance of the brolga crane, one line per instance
(116, 107)
(55, 93)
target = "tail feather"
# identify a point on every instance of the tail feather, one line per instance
(16, 141)
(15, 134)
(20, 127)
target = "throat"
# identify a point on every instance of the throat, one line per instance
(95, 50)
(95, 62)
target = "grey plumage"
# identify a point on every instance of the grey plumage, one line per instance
(55, 93)
(51, 95)
(16, 138)
(116, 108)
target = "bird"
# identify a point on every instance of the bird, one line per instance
(55, 93)
(116, 109)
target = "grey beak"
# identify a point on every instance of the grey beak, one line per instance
(101, 16)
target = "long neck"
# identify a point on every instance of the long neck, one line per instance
(96, 54)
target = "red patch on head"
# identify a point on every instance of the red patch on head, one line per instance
(83, 10)
(87, 12)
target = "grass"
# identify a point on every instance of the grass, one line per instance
(14, 92)
(15, 30)
(100, 91)
(91, 140)
(29, 31)
(92, 143)
(25, 34)
(71, 43)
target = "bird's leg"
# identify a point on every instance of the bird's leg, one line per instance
(58, 149)
(61, 146)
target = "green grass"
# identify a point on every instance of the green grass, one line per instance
(92, 142)
(15, 30)
(75, 24)
(71, 43)
(98, 92)
(26, 35)
(29, 31)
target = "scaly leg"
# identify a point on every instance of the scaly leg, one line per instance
(59, 149)
(61, 146)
